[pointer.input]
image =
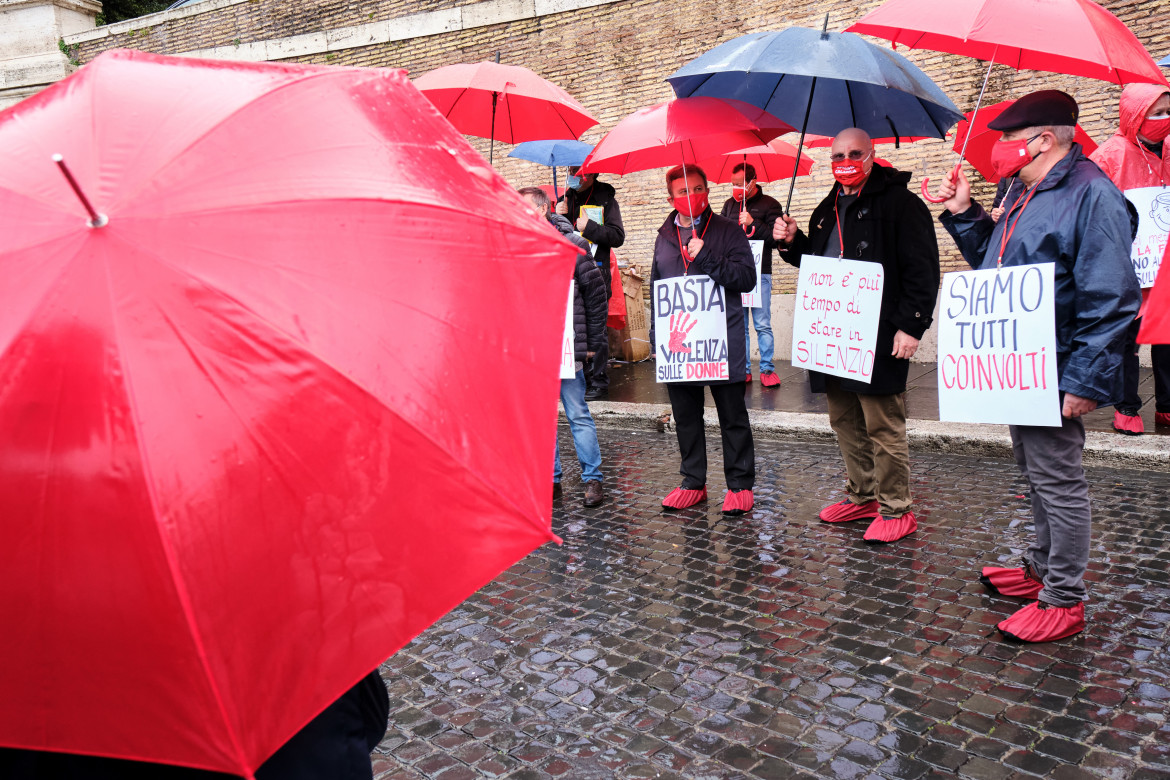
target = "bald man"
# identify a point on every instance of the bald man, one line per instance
(881, 221)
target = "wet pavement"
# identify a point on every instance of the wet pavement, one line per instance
(634, 383)
(690, 645)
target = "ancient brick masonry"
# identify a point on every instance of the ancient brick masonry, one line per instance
(614, 57)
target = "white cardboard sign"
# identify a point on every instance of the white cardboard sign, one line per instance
(1153, 207)
(568, 352)
(838, 305)
(754, 299)
(997, 347)
(690, 327)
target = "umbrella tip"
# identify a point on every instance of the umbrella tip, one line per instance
(58, 158)
(825, 28)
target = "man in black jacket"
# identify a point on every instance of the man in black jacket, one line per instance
(589, 312)
(583, 199)
(756, 214)
(696, 242)
(881, 221)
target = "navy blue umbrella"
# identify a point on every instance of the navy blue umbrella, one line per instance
(822, 82)
(553, 153)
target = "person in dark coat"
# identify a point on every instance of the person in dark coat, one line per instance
(335, 745)
(756, 214)
(590, 309)
(881, 222)
(1074, 217)
(585, 190)
(707, 245)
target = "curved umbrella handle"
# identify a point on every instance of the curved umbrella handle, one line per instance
(926, 184)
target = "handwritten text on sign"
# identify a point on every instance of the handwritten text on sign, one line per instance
(755, 299)
(997, 347)
(838, 304)
(690, 330)
(568, 346)
(1153, 207)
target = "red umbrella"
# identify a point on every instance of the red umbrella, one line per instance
(1155, 312)
(772, 161)
(236, 473)
(1077, 37)
(684, 130)
(982, 139)
(505, 103)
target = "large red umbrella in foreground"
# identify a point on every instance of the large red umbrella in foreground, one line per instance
(1155, 313)
(506, 103)
(681, 131)
(1077, 37)
(982, 138)
(237, 471)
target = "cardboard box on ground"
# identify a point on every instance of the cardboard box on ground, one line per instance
(631, 343)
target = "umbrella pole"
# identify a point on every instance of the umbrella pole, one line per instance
(556, 195)
(492, 146)
(96, 220)
(800, 144)
(966, 139)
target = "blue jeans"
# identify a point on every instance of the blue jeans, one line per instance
(583, 430)
(763, 319)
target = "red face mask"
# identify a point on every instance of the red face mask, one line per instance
(850, 173)
(1155, 129)
(692, 205)
(1008, 157)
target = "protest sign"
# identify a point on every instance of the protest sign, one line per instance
(997, 347)
(568, 351)
(690, 330)
(838, 304)
(1153, 207)
(597, 214)
(755, 299)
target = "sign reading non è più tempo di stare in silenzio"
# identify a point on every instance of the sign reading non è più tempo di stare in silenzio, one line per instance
(997, 347)
(690, 330)
(838, 305)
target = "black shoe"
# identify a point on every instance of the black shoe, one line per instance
(593, 493)
(556, 491)
(596, 393)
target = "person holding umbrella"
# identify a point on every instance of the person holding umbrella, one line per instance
(695, 241)
(1073, 216)
(586, 198)
(756, 214)
(871, 215)
(1136, 157)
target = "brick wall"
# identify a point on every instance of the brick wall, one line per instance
(613, 58)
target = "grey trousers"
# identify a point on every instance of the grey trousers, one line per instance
(1050, 459)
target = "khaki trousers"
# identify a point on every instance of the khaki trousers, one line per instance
(871, 431)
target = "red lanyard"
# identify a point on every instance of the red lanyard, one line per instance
(1007, 232)
(686, 258)
(840, 234)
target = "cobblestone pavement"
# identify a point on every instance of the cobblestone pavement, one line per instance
(690, 645)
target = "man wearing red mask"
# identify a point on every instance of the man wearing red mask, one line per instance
(870, 215)
(1071, 215)
(695, 241)
(1136, 157)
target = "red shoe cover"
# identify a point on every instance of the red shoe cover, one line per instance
(844, 511)
(737, 502)
(1162, 418)
(884, 530)
(769, 379)
(1129, 424)
(1020, 582)
(681, 498)
(1040, 622)
(749, 378)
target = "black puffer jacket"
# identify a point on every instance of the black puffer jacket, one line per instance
(890, 225)
(610, 234)
(590, 302)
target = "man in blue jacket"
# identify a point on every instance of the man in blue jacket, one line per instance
(1071, 215)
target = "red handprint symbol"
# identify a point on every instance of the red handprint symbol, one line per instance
(680, 330)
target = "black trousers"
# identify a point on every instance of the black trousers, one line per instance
(739, 453)
(1131, 400)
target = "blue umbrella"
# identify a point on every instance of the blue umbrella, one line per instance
(553, 154)
(1164, 62)
(824, 82)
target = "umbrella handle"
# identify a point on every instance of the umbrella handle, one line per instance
(926, 184)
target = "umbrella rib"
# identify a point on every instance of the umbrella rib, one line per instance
(169, 552)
